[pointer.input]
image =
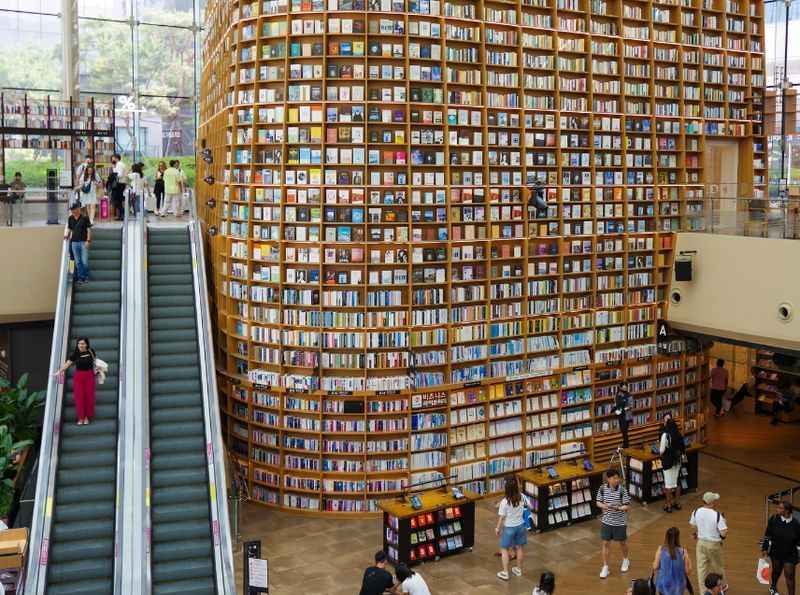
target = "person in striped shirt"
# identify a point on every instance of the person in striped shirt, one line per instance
(613, 499)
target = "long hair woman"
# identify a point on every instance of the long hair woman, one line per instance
(158, 188)
(781, 540)
(511, 527)
(83, 381)
(88, 183)
(547, 584)
(672, 443)
(672, 565)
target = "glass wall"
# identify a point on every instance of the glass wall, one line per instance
(142, 53)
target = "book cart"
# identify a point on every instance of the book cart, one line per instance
(563, 500)
(646, 478)
(443, 526)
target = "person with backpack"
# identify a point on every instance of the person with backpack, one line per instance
(613, 500)
(671, 450)
(780, 543)
(511, 527)
(83, 381)
(710, 529)
(672, 565)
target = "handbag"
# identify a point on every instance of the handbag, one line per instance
(100, 370)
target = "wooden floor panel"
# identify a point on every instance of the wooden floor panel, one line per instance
(320, 556)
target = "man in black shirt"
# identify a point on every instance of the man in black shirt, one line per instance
(377, 579)
(79, 236)
(622, 404)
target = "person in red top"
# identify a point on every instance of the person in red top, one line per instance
(719, 384)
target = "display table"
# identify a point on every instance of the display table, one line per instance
(646, 479)
(443, 526)
(13, 548)
(566, 499)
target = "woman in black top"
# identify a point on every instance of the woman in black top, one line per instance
(158, 187)
(622, 404)
(83, 382)
(780, 541)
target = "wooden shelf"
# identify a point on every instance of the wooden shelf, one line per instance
(376, 232)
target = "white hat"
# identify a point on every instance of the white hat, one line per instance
(710, 497)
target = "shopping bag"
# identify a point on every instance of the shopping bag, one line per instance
(104, 207)
(763, 571)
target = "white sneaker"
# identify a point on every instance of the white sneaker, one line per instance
(517, 571)
(626, 564)
(604, 572)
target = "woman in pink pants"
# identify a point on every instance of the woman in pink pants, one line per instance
(83, 382)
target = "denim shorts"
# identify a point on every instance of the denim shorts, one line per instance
(513, 536)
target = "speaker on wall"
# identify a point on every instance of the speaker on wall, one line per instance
(683, 269)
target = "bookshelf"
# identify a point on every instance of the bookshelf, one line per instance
(443, 526)
(646, 477)
(564, 500)
(376, 255)
(45, 122)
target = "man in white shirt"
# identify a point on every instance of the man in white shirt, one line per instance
(710, 529)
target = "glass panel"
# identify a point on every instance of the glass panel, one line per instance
(30, 51)
(166, 12)
(49, 6)
(106, 9)
(105, 56)
(166, 61)
(170, 133)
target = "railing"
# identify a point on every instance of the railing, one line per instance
(777, 218)
(223, 552)
(35, 210)
(48, 453)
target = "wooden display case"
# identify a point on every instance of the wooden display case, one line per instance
(443, 526)
(646, 478)
(377, 241)
(564, 500)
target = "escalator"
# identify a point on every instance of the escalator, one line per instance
(183, 543)
(81, 550)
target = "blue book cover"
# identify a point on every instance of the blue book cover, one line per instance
(358, 215)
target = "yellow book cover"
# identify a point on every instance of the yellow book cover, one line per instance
(315, 176)
(294, 114)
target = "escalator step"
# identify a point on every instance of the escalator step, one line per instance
(188, 511)
(78, 460)
(172, 335)
(165, 269)
(177, 414)
(96, 429)
(79, 550)
(179, 429)
(176, 477)
(172, 324)
(81, 530)
(176, 399)
(88, 475)
(158, 282)
(182, 550)
(96, 297)
(78, 512)
(165, 301)
(166, 387)
(176, 257)
(169, 369)
(172, 312)
(89, 587)
(180, 494)
(182, 530)
(81, 570)
(195, 568)
(95, 320)
(82, 493)
(202, 586)
(81, 443)
(173, 460)
(169, 348)
(179, 445)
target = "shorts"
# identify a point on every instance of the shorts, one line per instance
(513, 536)
(671, 476)
(613, 532)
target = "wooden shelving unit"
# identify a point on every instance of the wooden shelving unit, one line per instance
(375, 244)
(80, 127)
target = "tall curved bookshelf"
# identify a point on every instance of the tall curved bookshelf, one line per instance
(390, 306)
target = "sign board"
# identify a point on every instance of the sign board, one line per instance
(256, 570)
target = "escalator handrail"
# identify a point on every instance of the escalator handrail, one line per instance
(51, 427)
(143, 583)
(223, 552)
(119, 509)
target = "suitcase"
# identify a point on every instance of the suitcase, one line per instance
(104, 207)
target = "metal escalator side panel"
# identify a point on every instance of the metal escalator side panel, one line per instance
(142, 582)
(223, 549)
(51, 426)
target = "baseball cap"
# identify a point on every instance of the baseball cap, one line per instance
(710, 497)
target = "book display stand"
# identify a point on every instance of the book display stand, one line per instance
(441, 526)
(442, 232)
(646, 478)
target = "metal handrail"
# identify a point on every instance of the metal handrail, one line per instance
(223, 551)
(48, 452)
(119, 515)
(145, 548)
